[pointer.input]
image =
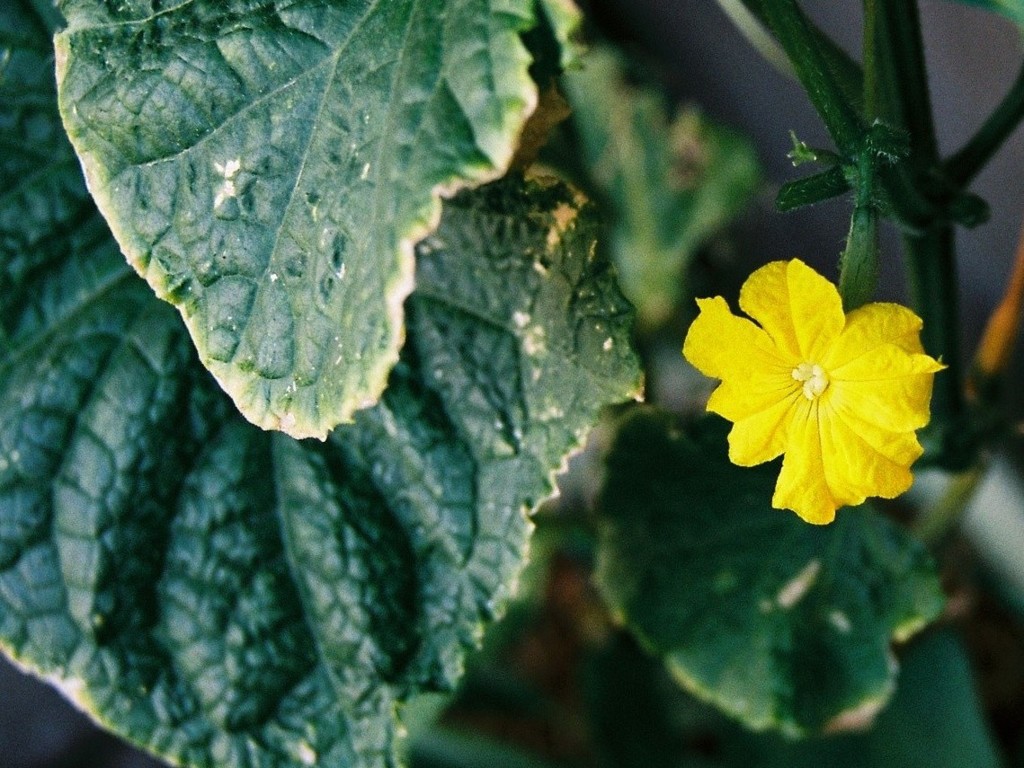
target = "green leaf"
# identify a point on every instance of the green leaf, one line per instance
(267, 166)
(442, 748)
(43, 193)
(1011, 9)
(651, 727)
(780, 624)
(564, 19)
(935, 720)
(668, 183)
(228, 597)
(936, 689)
(812, 189)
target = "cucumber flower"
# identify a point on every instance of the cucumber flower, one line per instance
(839, 394)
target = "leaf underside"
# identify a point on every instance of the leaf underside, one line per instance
(268, 165)
(234, 598)
(779, 624)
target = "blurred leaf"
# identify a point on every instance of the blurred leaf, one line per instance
(268, 166)
(994, 524)
(563, 18)
(1011, 9)
(933, 721)
(781, 624)
(638, 716)
(444, 748)
(669, 183)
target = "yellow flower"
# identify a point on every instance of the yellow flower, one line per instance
(840, 395)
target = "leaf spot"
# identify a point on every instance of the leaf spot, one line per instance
(533, 341)
(306, 754)
(840, 621)
(551, 412)
(793, 591)
(224, 202)
(229, 169)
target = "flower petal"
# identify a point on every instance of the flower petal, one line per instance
(801, 486)
(900, 447)
(857, 469)
(888, 387)
(737, 399)
(872, 325)
(800, 309)
(721, 345)
(762, 436)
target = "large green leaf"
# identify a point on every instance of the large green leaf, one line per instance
(780, 624)
(268, 165)
(228, 597)
(669, 182)
(43, 193)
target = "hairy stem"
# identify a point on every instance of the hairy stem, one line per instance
(812, 64)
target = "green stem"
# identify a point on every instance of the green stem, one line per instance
(872, 107)
(933, 278)
(930, 254)
(903, 101)
(803, 46)
(906, 76)
(827, 81)
(858, 265)
(846, 71)
(963, 166)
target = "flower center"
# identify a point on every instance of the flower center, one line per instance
(814, 379)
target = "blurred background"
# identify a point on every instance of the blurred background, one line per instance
(703, 60)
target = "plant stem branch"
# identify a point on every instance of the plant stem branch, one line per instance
(871, 75)
(844, 69)
(858, 265)
(965, 164)
(803, 46)
(930, 253)
(903, 101)
(907, 78)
